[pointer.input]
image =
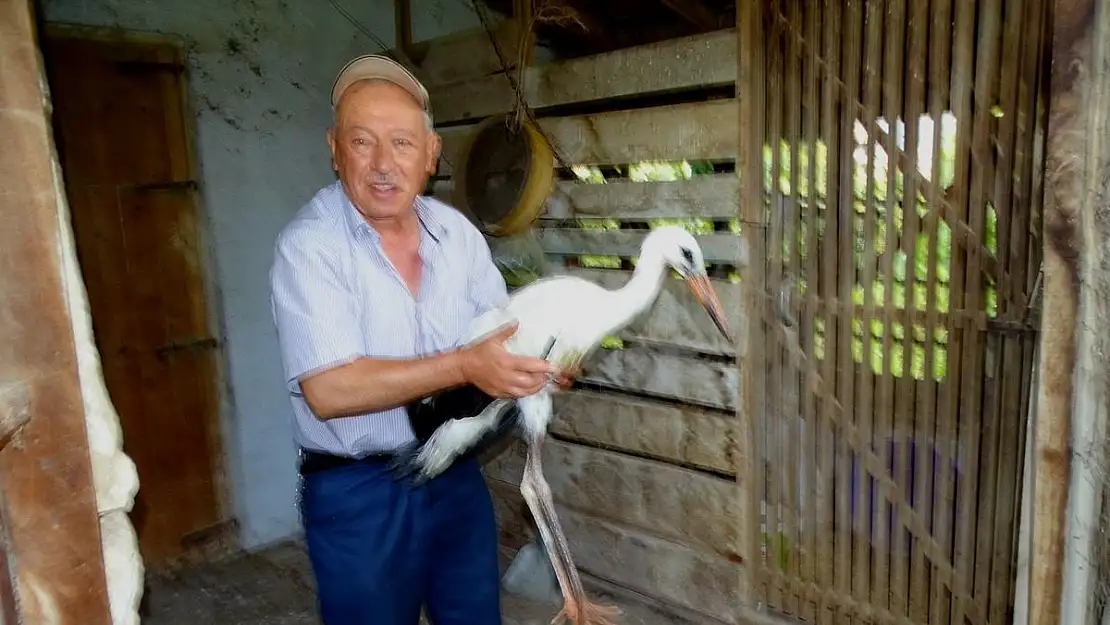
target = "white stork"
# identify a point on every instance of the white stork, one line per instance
(562, 319)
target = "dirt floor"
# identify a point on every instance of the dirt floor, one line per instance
(275, 587)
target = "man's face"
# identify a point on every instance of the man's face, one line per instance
(381, 148)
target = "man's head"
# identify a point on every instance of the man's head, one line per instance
(383, 143)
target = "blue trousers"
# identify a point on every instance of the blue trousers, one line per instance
(381, 548)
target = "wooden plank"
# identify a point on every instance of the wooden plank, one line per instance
(716, 248)
(683, 435)
(710, 196)
(51, 534)
(652, 497)
(638, 369)
(676, 318)
(707, 196)
(702, 60)
(702, 130)
(664, 570)
(463, 56)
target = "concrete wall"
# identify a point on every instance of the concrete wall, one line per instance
(260, 72)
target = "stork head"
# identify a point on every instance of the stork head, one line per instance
(680, 250)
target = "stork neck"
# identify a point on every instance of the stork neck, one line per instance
(640, 291)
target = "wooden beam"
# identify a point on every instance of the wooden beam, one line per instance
(698, 131)
(46, 486)
(464, 56)
(402, 14)
(1067, 182)
(712, 196)
(677, 64)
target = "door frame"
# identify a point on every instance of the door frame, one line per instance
(216, 427)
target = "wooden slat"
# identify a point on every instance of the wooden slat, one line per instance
(662, 569)
(651, 497)
(716, 248)
(811, 564)
(711, 196)
(676, 317)
(682, 435)
(463, 56)
(672, 65)
(831, 55)
(866, 379)
(703, 130)
(645, 371)
(707, 196)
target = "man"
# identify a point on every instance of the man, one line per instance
(372, 288)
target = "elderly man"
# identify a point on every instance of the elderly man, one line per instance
(372, 287)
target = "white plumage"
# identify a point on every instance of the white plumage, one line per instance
(564, 319)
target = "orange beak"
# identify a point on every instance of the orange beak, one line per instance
(702, 289)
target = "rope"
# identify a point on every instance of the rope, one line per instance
(559, 15)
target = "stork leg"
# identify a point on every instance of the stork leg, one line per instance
(576, 607)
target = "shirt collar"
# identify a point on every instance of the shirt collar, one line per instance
(424, 213)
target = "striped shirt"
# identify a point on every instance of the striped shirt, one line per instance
(335, 298)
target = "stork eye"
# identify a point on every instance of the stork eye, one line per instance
(688, 255)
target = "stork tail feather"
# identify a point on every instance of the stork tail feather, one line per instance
(456, 439)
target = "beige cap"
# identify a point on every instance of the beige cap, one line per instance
(371, 66)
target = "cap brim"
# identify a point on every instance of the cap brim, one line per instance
(373, 66)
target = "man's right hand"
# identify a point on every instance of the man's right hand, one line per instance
(490, 367)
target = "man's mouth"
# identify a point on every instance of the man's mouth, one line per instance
(383, 187)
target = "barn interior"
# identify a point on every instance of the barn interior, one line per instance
(877, 446)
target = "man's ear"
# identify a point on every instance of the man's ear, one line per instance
(435, 149)
(331, 145)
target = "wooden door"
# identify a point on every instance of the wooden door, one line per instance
(124, 144)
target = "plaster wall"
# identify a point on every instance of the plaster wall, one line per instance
(259, 74)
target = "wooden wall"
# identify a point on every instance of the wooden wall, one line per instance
(645, 454)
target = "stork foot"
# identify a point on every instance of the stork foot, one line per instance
(586, 613)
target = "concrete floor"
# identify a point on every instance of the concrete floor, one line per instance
(275, 587)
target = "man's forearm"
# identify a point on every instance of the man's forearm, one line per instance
(372, 385)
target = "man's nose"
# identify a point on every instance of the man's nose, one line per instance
(382, 159)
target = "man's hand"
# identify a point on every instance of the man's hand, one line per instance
(490, 367)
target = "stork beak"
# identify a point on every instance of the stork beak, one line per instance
(703, 290)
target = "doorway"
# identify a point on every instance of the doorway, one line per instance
(124, 143)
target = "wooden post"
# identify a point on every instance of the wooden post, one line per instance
(749, 169)
(1075, 285)
(402, 14)
(46, 489)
